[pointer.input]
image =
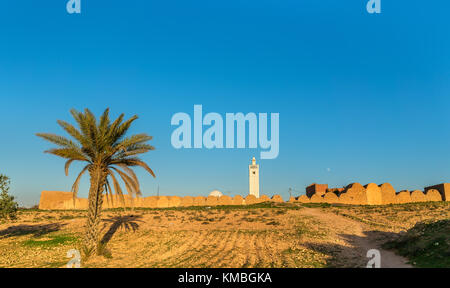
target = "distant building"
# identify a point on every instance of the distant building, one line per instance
(216, 193)
(319, 189)
(253, 178)
(443, 188)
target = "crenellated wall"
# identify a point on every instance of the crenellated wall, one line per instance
(373, 194)
(354, 194)
(56, 200)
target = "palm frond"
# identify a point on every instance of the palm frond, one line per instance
(113, 127)
(133, 140)
(109, 190)
(104, 122)
(133, 162)
(76, 184)
(58, 140)
(130, 172)
(69, 128)
(67, 165)
(123, 128)
(130, 184)
(117, 187)
(68, 153)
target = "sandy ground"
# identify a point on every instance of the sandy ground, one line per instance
(286, 236)
(356, 234)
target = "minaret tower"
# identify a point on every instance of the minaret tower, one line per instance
(253, 178)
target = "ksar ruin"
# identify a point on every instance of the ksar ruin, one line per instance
(353, 194)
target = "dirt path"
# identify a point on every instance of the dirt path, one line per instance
(354, 241)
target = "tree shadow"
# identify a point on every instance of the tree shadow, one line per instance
(35, 230)
(354, 254)
(126, 222)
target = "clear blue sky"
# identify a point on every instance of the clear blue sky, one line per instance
(366, 96)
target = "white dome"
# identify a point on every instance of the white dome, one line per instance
(216, 193)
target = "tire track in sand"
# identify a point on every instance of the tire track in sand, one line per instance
(354, 234)
(188, 241)
(194, 249)
(224, 250)
(196, 257)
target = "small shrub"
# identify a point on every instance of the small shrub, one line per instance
(8, 207)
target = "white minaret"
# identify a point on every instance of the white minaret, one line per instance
(253, 178)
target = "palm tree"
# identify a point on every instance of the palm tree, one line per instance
(106, 151)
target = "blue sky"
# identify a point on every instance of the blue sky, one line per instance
(366, 96)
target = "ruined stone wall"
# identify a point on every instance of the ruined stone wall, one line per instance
(384, 194)
(444, 190)
(55, 200)
(353, 194)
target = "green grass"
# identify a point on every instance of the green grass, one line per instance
(426, 245)
(50, 241)
(407, 207)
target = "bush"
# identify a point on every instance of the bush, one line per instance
(427, 244)
(8, 207)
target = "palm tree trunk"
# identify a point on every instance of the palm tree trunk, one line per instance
(98, 180)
